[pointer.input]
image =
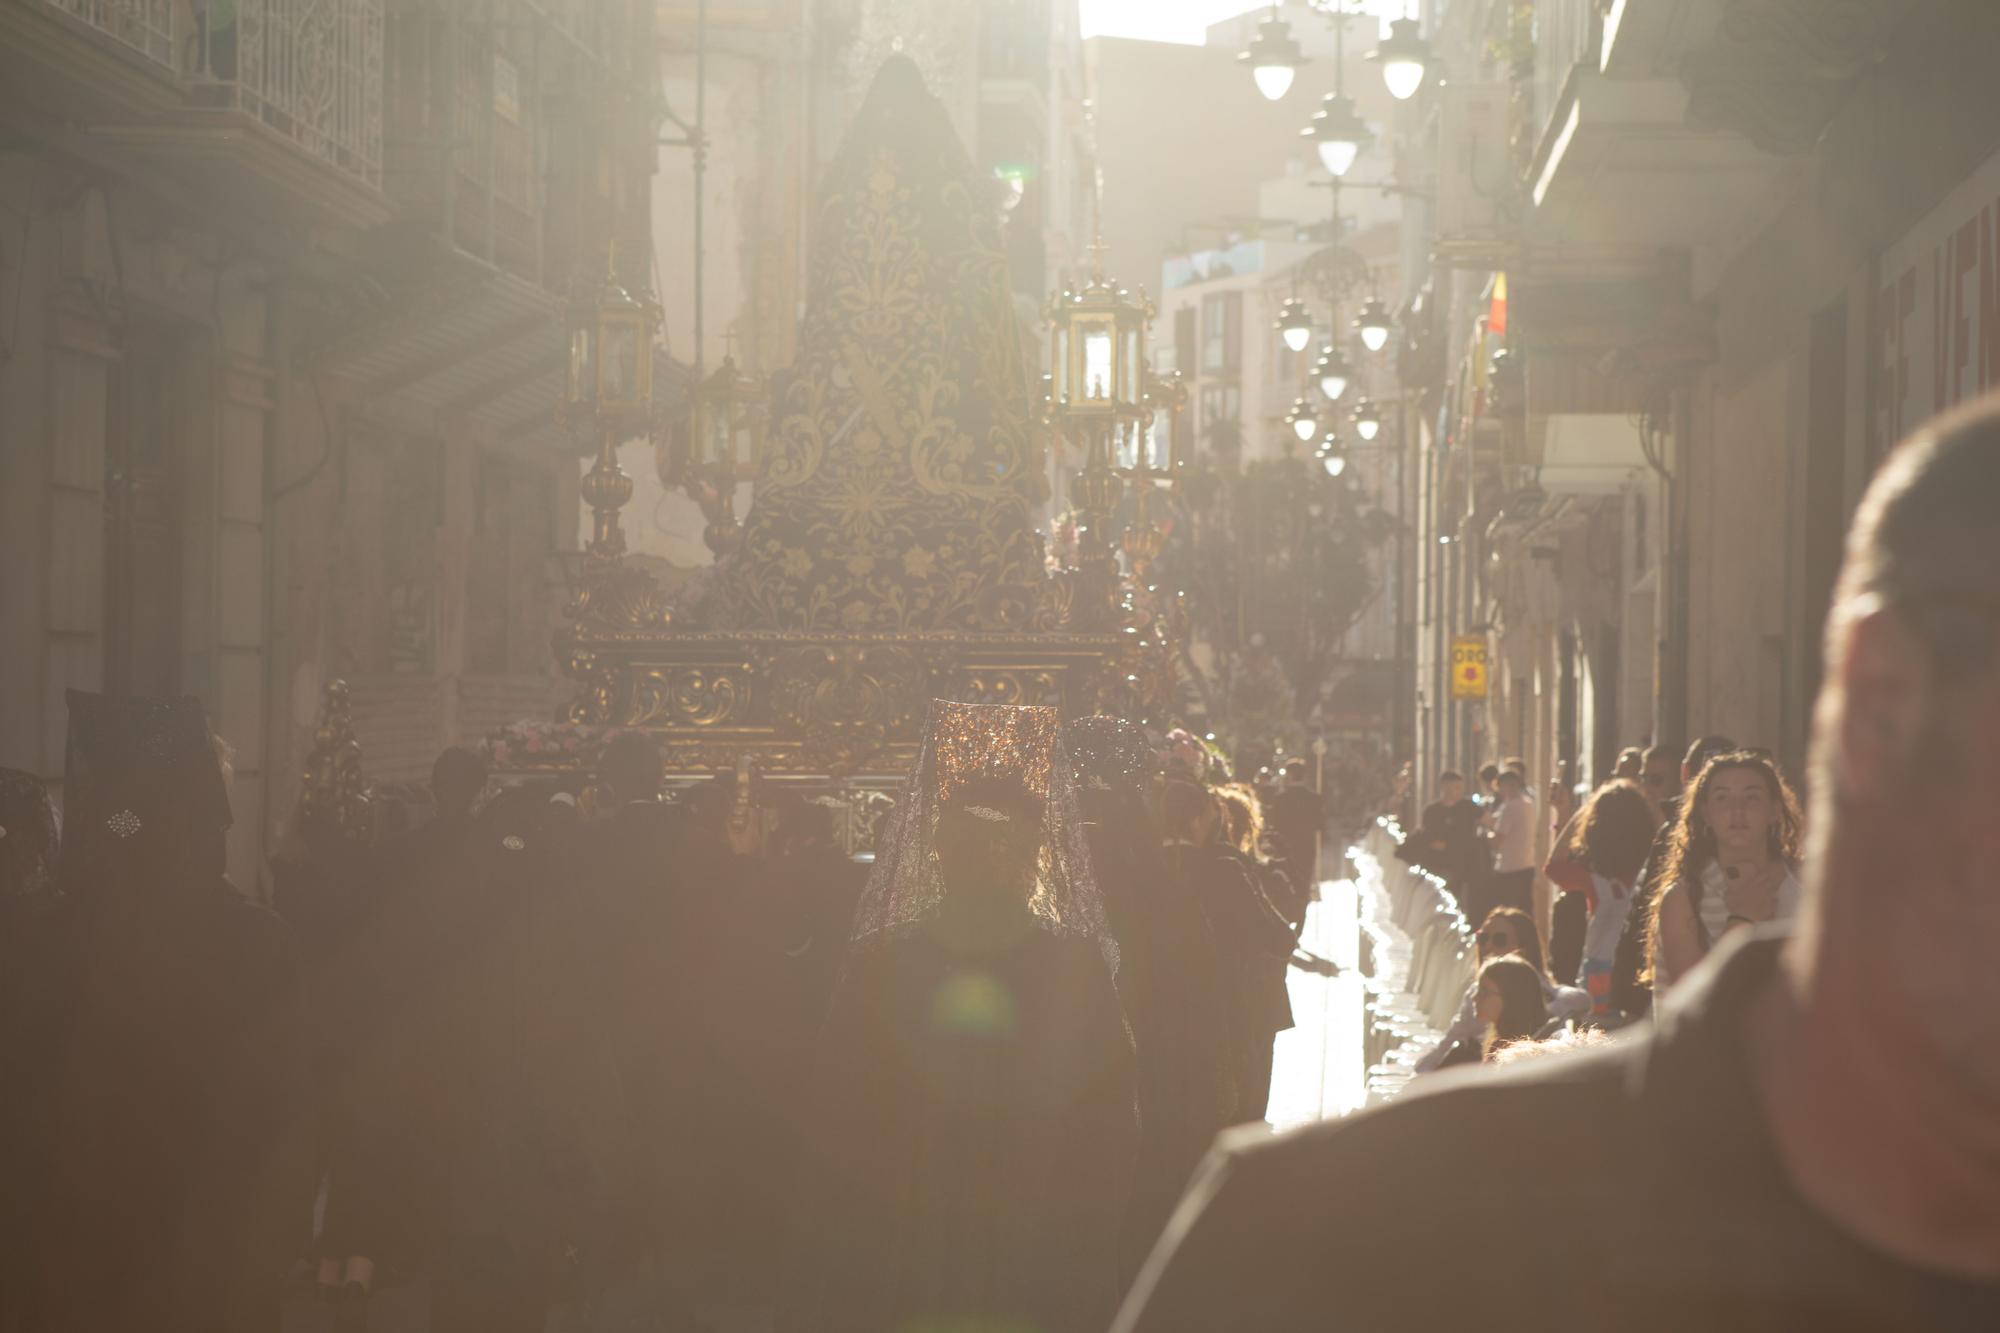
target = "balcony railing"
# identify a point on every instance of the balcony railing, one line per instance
(311, 70)
(146, 26)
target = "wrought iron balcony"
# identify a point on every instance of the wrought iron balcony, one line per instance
(146, 26)
(309, 70)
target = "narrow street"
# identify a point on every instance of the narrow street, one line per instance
(1318, 1069)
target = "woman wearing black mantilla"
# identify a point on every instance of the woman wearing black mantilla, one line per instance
(974, 1109)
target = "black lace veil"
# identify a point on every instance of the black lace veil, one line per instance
(964, 742)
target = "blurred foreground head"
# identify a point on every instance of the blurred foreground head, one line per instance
(1903, 843)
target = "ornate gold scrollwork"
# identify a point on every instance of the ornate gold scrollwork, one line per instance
(846, 701)
(689, 696)
(596, 683)
(619, 597)
(1012, 687)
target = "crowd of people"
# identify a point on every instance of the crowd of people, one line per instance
(1806, 1135)
(587, 1064)
(618, 1060)
(1648, 871)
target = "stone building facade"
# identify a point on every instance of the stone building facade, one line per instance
(281, 349)
(1745, 248)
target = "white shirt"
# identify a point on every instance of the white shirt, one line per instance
(1514, 835)
(1715, 900)
(1607, 923)
(1715, 913)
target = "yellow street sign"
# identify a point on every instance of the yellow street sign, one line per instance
(1468, 666)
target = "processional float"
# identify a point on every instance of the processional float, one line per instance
(890, 555)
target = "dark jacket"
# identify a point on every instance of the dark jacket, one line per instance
(1527, 1183)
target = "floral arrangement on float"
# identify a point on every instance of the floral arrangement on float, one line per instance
(537, 746)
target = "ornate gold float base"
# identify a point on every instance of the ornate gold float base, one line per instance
(828, 705)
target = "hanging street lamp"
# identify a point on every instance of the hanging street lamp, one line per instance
(1367, 419)
(1332, 372)
(608, 395)
(1372, 323)
(1405, 57)
(1303, 420)
(1331, 455)
(1273, 57)
(1339, 133)
(1294, 324)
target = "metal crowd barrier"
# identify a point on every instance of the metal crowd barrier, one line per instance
(1418, 958)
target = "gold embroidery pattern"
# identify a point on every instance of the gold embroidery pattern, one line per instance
(897, 487)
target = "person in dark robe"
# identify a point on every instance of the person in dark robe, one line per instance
(1294, 814)
(797, 910)
(1169, 973)
(623, 991)
(1250, 936)
(973, 1109)
(180, 1171)
(30, 841)
(527, 1130)
(1275, 898)
(819, 887)
(379, 990)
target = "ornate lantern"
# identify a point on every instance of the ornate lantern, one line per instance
(725, 442)
(608, 396)
(1148, 452)
(1097, 353)
(729, 416)
(610, 381)
(1097, 399)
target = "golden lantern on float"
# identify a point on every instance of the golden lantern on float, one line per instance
(610, 383)
(725, 443)
(608, 395)
(1097, 401)
(1149, 461)
(1097, 354)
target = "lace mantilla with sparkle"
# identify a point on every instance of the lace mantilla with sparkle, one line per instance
(963, 742)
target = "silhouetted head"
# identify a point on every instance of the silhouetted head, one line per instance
(989, 832)
(631, 767)
(457, 779)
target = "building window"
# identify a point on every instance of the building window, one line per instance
(1222, 333)
(1184, 340)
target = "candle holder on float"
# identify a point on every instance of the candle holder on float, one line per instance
(1146, 461)
(724, 442)
(608, 397)
(1097, 402)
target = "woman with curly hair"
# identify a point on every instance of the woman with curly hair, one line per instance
(1729, 862)
(1606, 844)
